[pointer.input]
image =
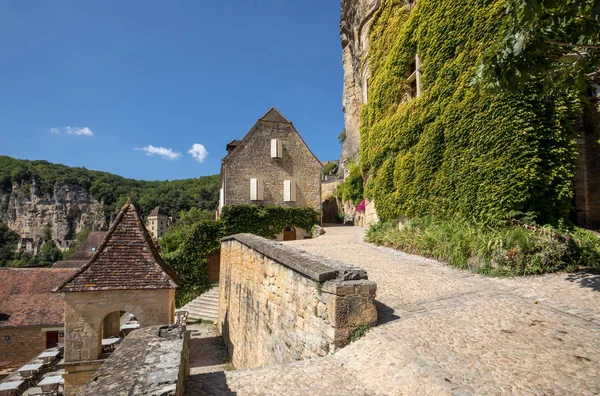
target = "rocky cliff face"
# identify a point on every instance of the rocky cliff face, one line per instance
(354, 31)
(66, 211)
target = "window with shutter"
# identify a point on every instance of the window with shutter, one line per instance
(276, 148)
(414, 78)
(256, 189)
(289, 191)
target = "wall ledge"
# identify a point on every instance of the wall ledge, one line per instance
(315, 267)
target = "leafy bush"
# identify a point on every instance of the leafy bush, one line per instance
(508, 250)
(177, 233)
(266, 221)
(352, 187)
(190, 260)
(457, 148)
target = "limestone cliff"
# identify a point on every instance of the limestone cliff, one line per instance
(66, 211)
(354, 31)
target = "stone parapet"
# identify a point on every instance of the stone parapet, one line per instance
(150, 361)
(279, 304)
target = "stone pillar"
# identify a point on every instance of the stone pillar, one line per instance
(112, 325)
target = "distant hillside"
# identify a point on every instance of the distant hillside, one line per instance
(39, 194)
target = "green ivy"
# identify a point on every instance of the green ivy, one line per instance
(266, 221)
(190, 260)
(352, 187)
(459, 149)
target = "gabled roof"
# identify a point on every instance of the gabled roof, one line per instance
(127, 259)
(26, 297)
(158, 211)
(274, 115)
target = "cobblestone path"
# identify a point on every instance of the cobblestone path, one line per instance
(444, 332)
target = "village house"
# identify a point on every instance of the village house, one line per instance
(31, 315)
(158, 222)
(272, 165)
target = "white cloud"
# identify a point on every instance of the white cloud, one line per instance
(198, 152)
(166, 153)
(76, 131)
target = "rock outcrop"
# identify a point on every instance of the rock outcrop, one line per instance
(66, 211)
(354, 31)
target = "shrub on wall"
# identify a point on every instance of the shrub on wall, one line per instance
(459, 149)
(352, 187)
(190, 260)
(266, 221)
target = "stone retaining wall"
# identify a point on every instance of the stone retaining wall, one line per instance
(151, 361)
(279, 304)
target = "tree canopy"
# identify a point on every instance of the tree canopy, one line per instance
(173, 196)
(546, 41)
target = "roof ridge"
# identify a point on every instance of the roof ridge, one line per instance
(274, 115)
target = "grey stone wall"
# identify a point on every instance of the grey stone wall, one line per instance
(252, 159)
(278, 304)
(150, 361)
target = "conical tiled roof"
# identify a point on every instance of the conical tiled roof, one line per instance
(127, 259)
(274, 115)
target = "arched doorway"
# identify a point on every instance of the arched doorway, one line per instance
(289, 233)
(113, 328)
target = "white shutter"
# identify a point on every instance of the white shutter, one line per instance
(256, 189)
(289, 191)
(276, 148)
(221, 198)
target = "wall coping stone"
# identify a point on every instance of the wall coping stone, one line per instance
(313, 266)
(148, 362)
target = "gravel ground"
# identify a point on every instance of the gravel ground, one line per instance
(444, 331)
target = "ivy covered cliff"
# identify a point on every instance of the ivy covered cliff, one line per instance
(457, 148)
(39, 195)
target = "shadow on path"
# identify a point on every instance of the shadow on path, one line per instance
(208, 384)
(385, 314)
(207, 351)
(588, 278)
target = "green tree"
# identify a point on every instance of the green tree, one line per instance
(546, 41)
(8, 245)
(177, 233)
(50, 254)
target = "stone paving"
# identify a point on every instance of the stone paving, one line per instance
(444, 332)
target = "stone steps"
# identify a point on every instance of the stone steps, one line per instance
(205, 306)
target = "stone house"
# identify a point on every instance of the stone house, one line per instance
(31, 315)
(272, 165)
(158, 222)
(125, 274)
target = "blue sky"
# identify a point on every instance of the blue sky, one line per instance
(87, 83)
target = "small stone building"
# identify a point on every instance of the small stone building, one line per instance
(125, 274)
(272, 165)
(158, 221)
(31, 315)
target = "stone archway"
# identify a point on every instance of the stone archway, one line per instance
(85, 313)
